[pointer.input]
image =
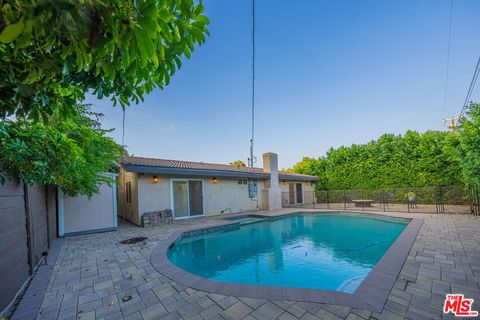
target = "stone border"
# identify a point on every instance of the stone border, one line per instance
(371, 294)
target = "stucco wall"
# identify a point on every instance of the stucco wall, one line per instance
(227, 193)
(153, 196)
(307, 188)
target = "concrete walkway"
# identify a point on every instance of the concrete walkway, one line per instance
(95, 275)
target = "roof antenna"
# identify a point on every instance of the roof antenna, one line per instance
(252, 158)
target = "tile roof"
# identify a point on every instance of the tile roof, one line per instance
(151, 165)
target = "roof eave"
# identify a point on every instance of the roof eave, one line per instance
(194, 172)
(297, 178)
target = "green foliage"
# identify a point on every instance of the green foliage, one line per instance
(71, 154)
(411, 160)
(54, 51)
(469, 148)
(314, 167)
(238, 163)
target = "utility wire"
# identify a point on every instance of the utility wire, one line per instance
(471, 88)
(448, 60)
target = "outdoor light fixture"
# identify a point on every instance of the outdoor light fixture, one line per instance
(155, 179)
(214, 180)
(284, 182)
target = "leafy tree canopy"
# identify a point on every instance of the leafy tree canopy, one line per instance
(54, 51)
(238, 163)
(71, 153)
(409, 160)
(433, 158)
(469, 149)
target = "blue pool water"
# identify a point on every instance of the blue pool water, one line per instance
(325, 251)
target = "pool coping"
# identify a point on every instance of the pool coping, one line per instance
(371, 294)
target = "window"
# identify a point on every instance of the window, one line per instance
(242, 181)
(128, 192)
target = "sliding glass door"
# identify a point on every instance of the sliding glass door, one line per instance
(195, 188)
(299, 190)
(187, 198)
(180, 198)
(295, 193)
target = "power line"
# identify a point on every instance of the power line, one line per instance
(471, 88)
(448, 60)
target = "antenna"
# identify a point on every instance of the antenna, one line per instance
(445, 93)
(252, 184)
(252, 158)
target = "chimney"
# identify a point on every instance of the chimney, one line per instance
(271, 195)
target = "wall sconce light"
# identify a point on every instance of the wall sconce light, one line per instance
(155, 179)
(284, 182)
(214, 180)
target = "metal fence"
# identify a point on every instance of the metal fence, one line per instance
(452, 199)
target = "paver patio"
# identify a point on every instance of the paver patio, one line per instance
(93, 273)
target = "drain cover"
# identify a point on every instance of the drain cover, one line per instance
(134, 240)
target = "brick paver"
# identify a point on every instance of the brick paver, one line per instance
(96, 277)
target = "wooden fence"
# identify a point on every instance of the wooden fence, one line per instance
(27, 228)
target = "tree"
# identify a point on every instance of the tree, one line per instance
(238, 163)
(314, 167)
(53, 52)
(469, 147)
(392, 161)
(72, 154)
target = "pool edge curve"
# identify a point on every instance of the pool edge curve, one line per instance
(371, 294)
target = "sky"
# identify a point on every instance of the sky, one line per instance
(328, 73)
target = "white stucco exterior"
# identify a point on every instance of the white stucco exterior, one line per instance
(271, 194)
(224, 196)
(215, 195)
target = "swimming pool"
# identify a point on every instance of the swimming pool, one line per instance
(333, 251)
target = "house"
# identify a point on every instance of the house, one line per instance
(192, 189)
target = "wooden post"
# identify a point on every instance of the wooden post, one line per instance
(28, 226)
